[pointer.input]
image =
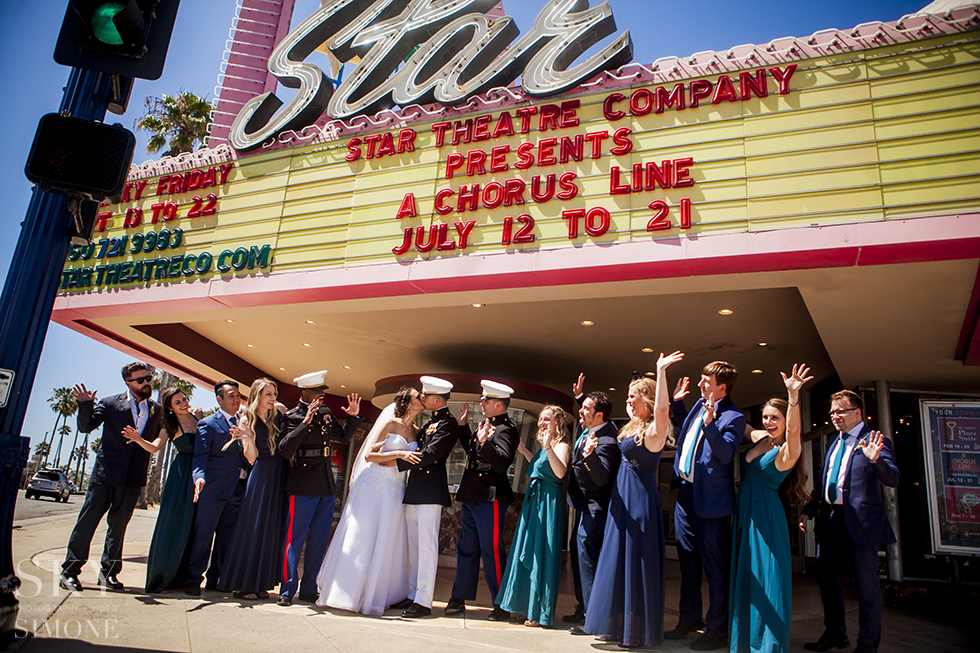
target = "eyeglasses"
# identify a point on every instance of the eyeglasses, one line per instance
(139, 379)
(840, 413)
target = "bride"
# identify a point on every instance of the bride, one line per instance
(366, 567)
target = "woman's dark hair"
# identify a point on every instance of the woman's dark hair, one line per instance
(403, 398)
(170, 423)
(793, 487)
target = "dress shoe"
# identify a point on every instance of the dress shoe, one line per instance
(577, 630)
(284, 600)
(110, 582)
(192, 589)
(308, 598)
(497, 614)
(827, 642)
(710, 641)
(577, 617)
(455, 606)
(683, 628)
(402, 605)
(70, 583)
(415, 611)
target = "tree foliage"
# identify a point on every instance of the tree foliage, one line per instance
(177, 122)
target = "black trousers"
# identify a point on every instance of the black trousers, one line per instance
(117, 503)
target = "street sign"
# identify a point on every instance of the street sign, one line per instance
(6, 380)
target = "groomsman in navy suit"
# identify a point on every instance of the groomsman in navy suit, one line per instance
(219, 471)
(118, 475)
(851, 524)
(595, 460)
(703, 473)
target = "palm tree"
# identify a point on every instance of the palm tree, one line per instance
(64, 405)
(178, 122)
(81, 455)
(65, 431)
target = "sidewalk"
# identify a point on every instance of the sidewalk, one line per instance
(131, 621)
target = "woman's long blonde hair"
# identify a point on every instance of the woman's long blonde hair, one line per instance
(637, 427)
(562, 431)
(251, 410)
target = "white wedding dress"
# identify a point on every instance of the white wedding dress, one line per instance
(366, 567)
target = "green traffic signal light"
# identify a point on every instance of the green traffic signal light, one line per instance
(103, 27)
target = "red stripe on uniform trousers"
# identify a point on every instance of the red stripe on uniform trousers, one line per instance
(496, 541)
(289, 539)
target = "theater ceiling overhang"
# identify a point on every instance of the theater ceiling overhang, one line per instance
(887, 300)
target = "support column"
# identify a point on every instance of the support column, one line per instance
(893, 552)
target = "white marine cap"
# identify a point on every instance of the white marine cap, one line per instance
(494, 390)
(312, 381)
(435, 386)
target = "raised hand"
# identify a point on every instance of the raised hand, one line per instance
(578, 385)
(82, 394)
(666, 361)
(797, 379)
(680, 390)
(131, 434)
(353, 405)
(872, 446)
(464, 415)
(312, 409)
(709, 409)
(590, 444)
(483, 433)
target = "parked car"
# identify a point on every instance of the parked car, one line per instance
(49, 483)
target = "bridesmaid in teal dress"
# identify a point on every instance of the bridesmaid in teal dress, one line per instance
(530, 581)
(761, 589)
(167, 562)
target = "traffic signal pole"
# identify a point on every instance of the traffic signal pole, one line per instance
(25, 310)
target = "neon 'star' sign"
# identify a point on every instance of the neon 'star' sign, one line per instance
(462, 53)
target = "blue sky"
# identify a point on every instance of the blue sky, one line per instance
(34, 85)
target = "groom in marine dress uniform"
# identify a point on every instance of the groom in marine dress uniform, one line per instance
(426, 494)
(310, 485)
(485, 493)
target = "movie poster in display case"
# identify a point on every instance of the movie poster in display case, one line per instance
(951, 438)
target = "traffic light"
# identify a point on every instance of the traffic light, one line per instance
(79, 157)
(120, 37)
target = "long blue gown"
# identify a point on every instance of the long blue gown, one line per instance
(533, 571)
(255, 558)
(627, 601)
(761, 590)
(166, 566)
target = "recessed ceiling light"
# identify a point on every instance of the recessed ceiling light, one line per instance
(725, 311)
(230, 321)
(612, 389)
(343, 386)
(306, 344)
(477, 305)
(651, 374)
(249, 345)
(346, 367)
(587, 322)
(310, 322)
(647, 350)
(763, 344)
(757, 371)
(282, 369)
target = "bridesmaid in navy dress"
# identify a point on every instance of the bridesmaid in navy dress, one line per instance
(761, 589)
(255, 558)
(166, 565)
(627, 600)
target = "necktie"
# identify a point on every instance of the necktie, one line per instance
(835, 469)
(234, 420)
(142, 415)
(687, 463)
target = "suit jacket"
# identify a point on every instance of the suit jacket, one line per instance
(487, 463)
(593, 475)
(221, 470)
(864, 511)
(308, 450)
(428, 483)
(119, 462)
(714, 461)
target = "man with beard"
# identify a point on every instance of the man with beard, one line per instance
(119, 473)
